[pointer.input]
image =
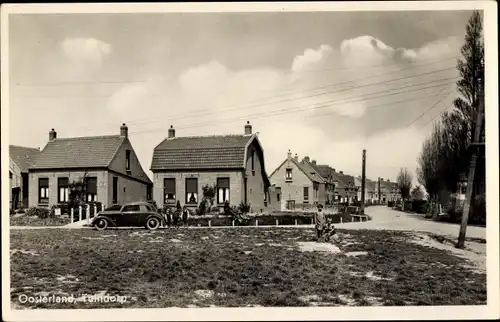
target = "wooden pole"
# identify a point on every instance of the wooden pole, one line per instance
(363, 180)
(470, 178)
(378, 188)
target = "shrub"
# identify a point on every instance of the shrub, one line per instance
(12, 212)
(40, 212)
(390, 204)
(244, 208)
(419, 206)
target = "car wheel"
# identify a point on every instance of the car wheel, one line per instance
(101, 224)
(153, 223)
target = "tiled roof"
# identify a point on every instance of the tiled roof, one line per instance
(202, 152)
(80, 152)
(311, 172)
(23, 157)
(324, 170)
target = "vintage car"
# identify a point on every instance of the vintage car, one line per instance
(135, 214)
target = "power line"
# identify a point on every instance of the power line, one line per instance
(267, 114)
(432, 107)
(295, 99)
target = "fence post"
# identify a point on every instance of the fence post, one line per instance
(295, 222)
(95, 210)
(312, 221)
(340, 219)
(256, 222)
(277, 222)
(88, 214)
(72, 212)
(79, 213)
(352, 218)
(233, 223)
(209, 223)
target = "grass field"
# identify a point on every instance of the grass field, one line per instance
(238, 267)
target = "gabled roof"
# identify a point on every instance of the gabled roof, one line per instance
(324, 170)
(79, 152)
(23, 157)
(201, 152)
(312, 173)
(301, 167)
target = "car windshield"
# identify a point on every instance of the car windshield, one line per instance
(114, 208)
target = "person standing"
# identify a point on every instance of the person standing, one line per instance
(320, 221)
(185, 215)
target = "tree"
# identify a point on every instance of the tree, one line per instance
(404, 180)
(417, 193)
(78, 192)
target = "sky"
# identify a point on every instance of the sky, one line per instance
(321, 84)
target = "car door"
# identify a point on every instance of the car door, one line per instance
(128, 216)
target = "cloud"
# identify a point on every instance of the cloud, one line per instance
(332, 103)
(89, 52)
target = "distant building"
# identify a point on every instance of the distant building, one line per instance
(370, 189)
(234, 164)
(389, 191)
(21, 159)
(108, 165)
(298, 183)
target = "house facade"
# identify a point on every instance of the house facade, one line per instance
(233, 164)
(345, 189)
(370, 190)
(20, 160)
(299, 184)
(107, 165)
(327, 173)
(388, 191)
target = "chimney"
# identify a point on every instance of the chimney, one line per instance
(296, 157)
(289, 154)
(333, 170)
(52, 135)
(248, 128)
(171, 132)
(124, 130)
(314, 162)
(307, 159)
(341, 172)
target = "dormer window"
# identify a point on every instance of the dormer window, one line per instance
(288, 174)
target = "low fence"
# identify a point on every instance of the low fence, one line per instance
(84, 212)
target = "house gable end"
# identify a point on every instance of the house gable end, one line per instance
(118, 163)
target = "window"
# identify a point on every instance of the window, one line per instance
(192, 190)
(114, 208)
(10, 175)
(169, 190)
(63, 190)
(222, 190)
(253, 162)
(288, 174)
(127, 159)
(278, 197)
(91, 188)
(43, 186)
(131, 208)
(148, 193)
(306, 194)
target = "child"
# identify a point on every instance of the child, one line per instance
(330, 230)
(319, 219)
(185, 215)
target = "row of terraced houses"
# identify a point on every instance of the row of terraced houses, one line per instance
(181, 167)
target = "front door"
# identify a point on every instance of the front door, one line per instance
(16, 192)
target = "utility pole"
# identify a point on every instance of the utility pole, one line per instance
(472, 169)
(363, 179)
(378, 188)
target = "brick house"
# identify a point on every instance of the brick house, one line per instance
(108, 165)
(234, 164)
(325, 189)
(327, 173)
(389, 191)
(345, 190)
(298, 183)
(20, 160)
(370, 189)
